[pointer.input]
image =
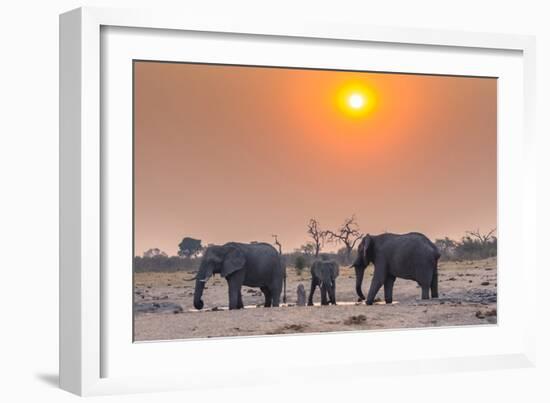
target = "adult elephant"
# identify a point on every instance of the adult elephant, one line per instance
(409, 256)
(253, 265)
(323, 275)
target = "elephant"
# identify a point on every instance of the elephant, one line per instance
(409, 256)
(323, 274)
(254, 265)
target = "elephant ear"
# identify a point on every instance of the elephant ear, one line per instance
(328, 271)
(317, 269)
(361, 255)
(367, 243)
(234, 261)
(214, 254)
(336, 269)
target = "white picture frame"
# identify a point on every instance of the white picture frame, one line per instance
(96, 354)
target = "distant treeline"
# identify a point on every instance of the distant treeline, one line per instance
(473, 246)
(189, 253)
(163, 263)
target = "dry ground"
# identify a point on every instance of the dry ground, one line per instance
(164, 305)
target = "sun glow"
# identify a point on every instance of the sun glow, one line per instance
(356, 100)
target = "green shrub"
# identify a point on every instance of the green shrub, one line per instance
(299, 264)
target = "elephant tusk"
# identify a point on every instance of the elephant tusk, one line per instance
(195, 278)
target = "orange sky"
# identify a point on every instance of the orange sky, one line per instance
(228, 153)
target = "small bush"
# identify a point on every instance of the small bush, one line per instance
(300, 264)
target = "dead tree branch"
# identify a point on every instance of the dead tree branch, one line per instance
(482, 238)
(319, 236)
(278, 244)
(348, 234)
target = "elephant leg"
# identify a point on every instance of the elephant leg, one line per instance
(333, 293)
(359, 273)
(233, 297)
(434, 285)
(240, 304)
(388, 289)
(311, 292)
(324, 300)
(267, 295)
(425, 292)
(234, 283)
(376, 283)
(276, 290)
(275, 297)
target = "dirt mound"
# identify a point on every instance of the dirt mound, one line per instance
(293, 328)
(157, 307)
(355, 320)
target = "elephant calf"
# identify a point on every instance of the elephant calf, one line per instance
(323, 274)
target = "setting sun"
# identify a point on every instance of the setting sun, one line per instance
(356, 99)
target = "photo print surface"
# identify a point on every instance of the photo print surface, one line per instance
(272, 200)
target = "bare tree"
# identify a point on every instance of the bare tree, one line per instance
(482, 238)
(348, 234)
(283, 262)
(278, 244)
(318, 236)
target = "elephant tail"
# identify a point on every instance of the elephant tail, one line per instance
(282, 262)
(284, 283)
(435, 280)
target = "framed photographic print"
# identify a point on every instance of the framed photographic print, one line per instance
(263, 189)
(250, 159)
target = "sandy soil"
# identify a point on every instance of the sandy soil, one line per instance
(164, 305)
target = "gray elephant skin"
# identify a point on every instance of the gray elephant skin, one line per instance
(323, 275)
(409, 256)
(253, 265)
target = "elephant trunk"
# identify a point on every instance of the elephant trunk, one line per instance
(331, 293)
(204, 273)
(199, 287)
(358, 260)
